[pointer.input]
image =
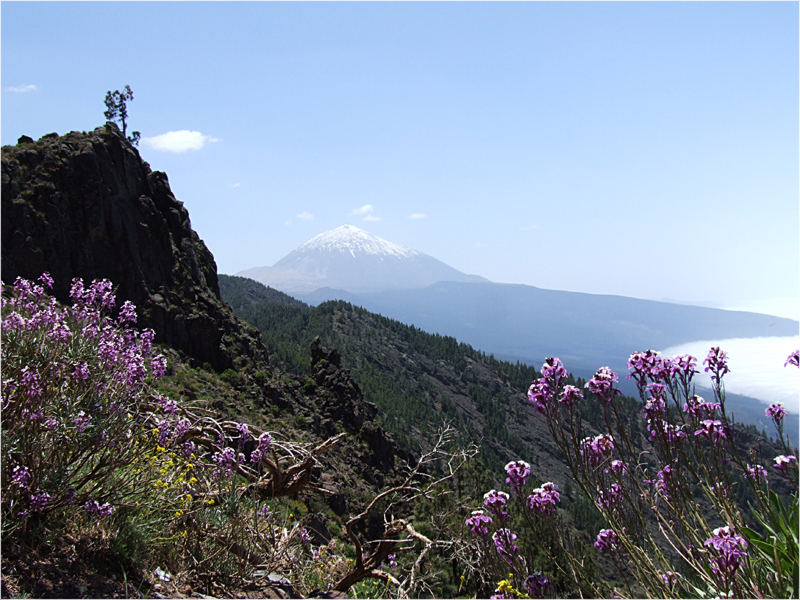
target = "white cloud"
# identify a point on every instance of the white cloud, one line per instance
(305, 216)
(236, 185)
(416, 216)
(23, 89)
(179, 141)
(364, 210)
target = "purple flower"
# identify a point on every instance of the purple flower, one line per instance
(782, 462)
(225, 461)
(617, 467)
(730, 548)
(713, 429)
(793, 359)
(671, 578)
(168, 405)
(391, 560)
(518, 471)
(479, 522)
(95, 509)
(504, 544)
(163, 432)
(553, 371)
(684, 367)
(699, 409)
(607, 540)
(158, 366)
(544, 499)
(570, 396)
(536, 584)
(644, 365)
(39, 501)
(264, 442)
(610, 497)
(776, 412)
(496, 503)
(756, 473)
(127, 312)
(244, 433)
(82, 421)
(598, 448)
(187, 448)
(716, 364)
(304, 536)
(602, 385)
(21, 477)
(81, 372)
(46, 280)
(540, 395)
(664, 481)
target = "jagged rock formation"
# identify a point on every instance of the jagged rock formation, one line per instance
(340, 400)
(86, 205)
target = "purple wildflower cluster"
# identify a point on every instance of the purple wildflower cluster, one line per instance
(504, 543)
(479, 522)
(783, 461)
(602, 385)
(716, 364)
(729, 551)
(776, 412)
(518, 471)
(756, 473)
(264, 442)
(496, 502)
(73, 381)
(97, 510)
(543, 392)
(713, 429)
(598, 448)
(544, 499)
(537, 585)
(607, 540)
(698, 409)
(226, 461)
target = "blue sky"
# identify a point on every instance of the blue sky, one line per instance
(643, 149)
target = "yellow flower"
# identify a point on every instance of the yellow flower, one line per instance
(187, 498)
(178, 513)
(210, 501)
(193, 480)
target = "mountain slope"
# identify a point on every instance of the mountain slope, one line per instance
(350, 258)
(529, 323)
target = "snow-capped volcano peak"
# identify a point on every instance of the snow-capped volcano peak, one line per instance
(352, 240)
(349, 258)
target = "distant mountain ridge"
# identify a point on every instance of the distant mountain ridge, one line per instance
(350, 258)
(586, 331)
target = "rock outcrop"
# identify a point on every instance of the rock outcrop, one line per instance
(86, 205)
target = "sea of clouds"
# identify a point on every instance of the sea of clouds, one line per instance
(756, 366)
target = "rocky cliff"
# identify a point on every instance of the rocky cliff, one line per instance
(86, 205)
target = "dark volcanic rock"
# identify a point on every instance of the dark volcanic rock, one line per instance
(86, 205)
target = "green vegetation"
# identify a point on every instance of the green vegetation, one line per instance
(117, 108)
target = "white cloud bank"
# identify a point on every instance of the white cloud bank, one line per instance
(23, 89)
(179, 141)
(305, 216)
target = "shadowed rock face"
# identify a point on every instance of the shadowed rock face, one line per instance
(86, 205)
